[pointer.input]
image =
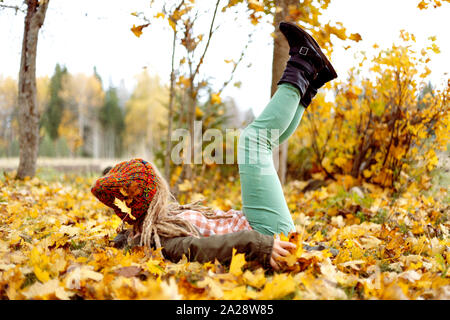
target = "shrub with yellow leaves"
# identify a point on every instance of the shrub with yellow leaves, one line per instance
(384, 128)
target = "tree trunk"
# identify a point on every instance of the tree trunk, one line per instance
(28, 109)
(189, 172)
(280, 57)
(170, 113)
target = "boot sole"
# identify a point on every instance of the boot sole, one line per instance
(316, 46)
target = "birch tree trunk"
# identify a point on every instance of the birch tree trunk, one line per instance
(28, 109)
(96, 139)
(280, 57)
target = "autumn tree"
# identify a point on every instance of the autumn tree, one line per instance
(84, 97)
(112, 119)
(9, 125)
(28, 110)
(384, 126)
(196, 47)
(8, 115)
(192, 45)
(170, 107)
(144, 113)
(43, 93)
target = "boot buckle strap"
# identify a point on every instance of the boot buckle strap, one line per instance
(303, 51)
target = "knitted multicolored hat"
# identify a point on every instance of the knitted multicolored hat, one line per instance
(133, 182)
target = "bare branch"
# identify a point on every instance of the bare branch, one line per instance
(211, 31)
(16, 8)
(241, 57)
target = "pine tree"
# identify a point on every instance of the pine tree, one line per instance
(51, 120)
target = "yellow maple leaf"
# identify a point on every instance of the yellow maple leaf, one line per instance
(123, 207)
(255, 279)
(183, 80)
(237, 262)
(355, 37)
(367, 173)
(255, 5)
(42, 275)
(435, 48)
(154, 267)
(198, 112)
(318, 236)
(280, 286)
(254, 19)
(137, 30)
(214, 289)
(340, 161)
(237, 293)
(422, 5)
(34, 213)
(433, 160)
(215, 98)
(48, 290)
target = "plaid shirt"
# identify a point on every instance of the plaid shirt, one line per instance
(208, 227)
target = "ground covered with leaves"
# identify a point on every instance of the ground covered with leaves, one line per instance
(56, 243)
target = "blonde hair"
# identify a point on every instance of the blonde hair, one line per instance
(162, 218)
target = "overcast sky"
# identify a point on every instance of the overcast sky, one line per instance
(86, 33)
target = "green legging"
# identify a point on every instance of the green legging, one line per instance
(263, 200)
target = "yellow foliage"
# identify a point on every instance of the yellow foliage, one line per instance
(58, 235)
(144, 114)
(378, 126)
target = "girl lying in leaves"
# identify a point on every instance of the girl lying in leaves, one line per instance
(203, 234)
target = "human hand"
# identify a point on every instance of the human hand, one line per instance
(280, 249)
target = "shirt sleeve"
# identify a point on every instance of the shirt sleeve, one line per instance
(255, 246)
